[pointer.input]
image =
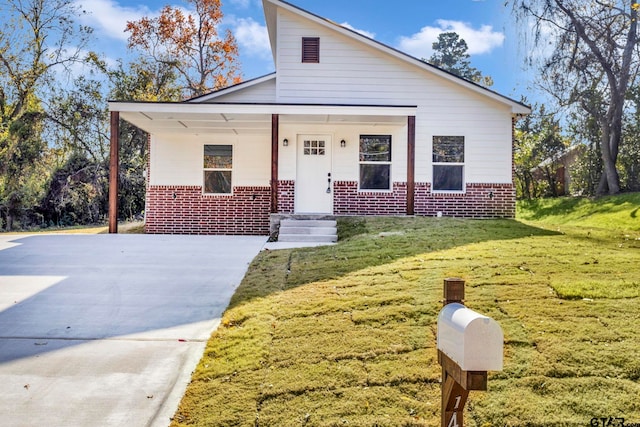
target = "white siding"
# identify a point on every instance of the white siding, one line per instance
(351, 72)
(178, 160)
(262, 93)
(345, 160)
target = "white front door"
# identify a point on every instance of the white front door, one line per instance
(314, 184)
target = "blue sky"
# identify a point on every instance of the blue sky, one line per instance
(408, 25)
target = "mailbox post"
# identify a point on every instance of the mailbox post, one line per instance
(469, 345)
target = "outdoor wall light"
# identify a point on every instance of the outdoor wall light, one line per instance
(343, 143)
(285, 142)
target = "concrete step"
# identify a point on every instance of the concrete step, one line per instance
(308, 223)
(308, 230)
(307, 238)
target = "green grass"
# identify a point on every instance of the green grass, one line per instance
(613, 212)
(345, 335)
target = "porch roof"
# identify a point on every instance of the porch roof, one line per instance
(235, 118)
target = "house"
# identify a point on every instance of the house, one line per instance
(345, 126)
(556, 170)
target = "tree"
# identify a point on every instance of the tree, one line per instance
(629, 156)
(594, 61)
(34, 43)
(538, 145)
(450, 54)
(190, 44)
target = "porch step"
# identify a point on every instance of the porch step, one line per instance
(308, 230)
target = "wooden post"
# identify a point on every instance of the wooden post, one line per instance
(457, 380)
(411, 164)
(275, 125)
(454, 397)
(114, 168)
(453, 291)
(456, 383)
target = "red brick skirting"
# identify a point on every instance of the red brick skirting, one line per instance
(478, 201)
(286, 196)
(185, 210)
(349, 201)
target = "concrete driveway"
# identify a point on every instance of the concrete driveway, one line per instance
(105, 330)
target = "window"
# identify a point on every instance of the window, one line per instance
(314, 148)
(311, 49)
(218, 161)
(448, 163)
(375, 162)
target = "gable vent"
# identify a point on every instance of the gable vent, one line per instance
(311, 49)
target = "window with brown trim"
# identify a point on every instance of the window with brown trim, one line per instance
(311, 49)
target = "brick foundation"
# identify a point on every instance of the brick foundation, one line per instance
(478, 201)
(348, 200)
(286, 196)
(185, 210)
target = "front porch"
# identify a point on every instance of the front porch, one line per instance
(181, 205)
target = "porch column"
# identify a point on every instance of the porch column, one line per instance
(411, 164)
(114, 166)
(275, 124)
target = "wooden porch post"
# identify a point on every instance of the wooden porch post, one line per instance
(114, 166)
(275, 125)
(411, 164)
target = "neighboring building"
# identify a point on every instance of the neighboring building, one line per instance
(556, 170)
(345, 126)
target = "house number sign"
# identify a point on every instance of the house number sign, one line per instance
(453, 422)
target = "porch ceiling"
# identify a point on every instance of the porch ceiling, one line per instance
(198, 119)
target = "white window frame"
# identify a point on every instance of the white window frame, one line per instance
(205, 170)
(389, 163)
(462, 165)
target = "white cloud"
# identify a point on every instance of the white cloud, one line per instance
(363, 32)
(108, 18)
(252, 37)
(480, 41)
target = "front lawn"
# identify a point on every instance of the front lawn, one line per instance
(345, 335)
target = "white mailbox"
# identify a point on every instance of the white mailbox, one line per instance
(473, 341)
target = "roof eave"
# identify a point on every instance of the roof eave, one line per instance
(231, 89)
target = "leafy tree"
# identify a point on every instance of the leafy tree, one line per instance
(190, 44)
(593, 64)
(76, 192)
(629, 156)
(586, 173)
(450, 54)
(34, 43)
(77, 127)
(77, 118)
(142, 80)
(539, 144)
(79, 124)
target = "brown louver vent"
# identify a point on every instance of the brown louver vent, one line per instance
(311, 49)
